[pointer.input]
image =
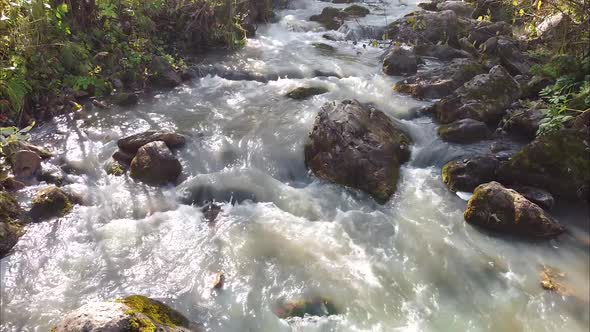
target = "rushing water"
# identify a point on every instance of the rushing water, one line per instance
(409, 265)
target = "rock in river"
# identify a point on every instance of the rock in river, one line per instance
(464, 131)
(357, 146)
(501, 209)
(10, 231)
(467, 174)
(132, 314)
(155, 164)
(558, 162)
(485, 98)
(49, 203)
(400, 61)
(132, 143)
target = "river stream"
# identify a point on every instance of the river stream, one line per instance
(412, 264)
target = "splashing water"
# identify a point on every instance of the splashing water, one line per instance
(409, 265)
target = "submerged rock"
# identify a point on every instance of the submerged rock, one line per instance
(464, 131)
(10, 231)
(132, 143)
(558, 162)
(467, 174)
(155, 164)
(132, 314)
(497, 208)
(301, 308)
(441, 81)
(359, 147)
(400, 61)
(115, 168)
(304, 93)
(49, 203)
(485, 98)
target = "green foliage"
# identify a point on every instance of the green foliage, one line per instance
(13, 134)
(569, 95)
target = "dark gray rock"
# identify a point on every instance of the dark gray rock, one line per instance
(464, 131)
(155, 164)
(468, 173)
(400, 61)
(359, 147)
(132, 143)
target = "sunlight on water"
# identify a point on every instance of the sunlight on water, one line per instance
(409, 265)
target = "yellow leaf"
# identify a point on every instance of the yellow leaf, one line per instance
(539, 3)
(521, 12)
(480, 18)
(515, 3)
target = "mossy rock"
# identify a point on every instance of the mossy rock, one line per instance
(558, 162)
(304, 93)
(116, 169)
(49, 203)
(357, 11)
(10, 231)
(157, 313)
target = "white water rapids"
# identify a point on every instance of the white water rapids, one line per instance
(409, 265)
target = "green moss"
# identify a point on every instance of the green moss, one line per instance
(139, 324)
(50, 202)
(304, 93)
(9, 208)
(156, 311)
(116, 169)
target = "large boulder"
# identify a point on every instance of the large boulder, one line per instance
(50, 202)
(10, 230)
(132, 314)
(495, 207)
(440, 81)
(558, 162)
(358, 147)
(423, 27)
(504, 51)
(132, 143)
(539, 196)
(464, 131)
(400, 61)
(486, 30)
(468, 173)
(522, 123)
(155, 164)
(485, 98)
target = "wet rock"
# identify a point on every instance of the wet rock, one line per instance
(462, 9)
(331, 18)
(536, 195)
(11, 184)
(486, 30)
(13, 147)
(356, 11)
(359, 147)
(125, 99)
(505, 52)
(442, 52)
(558, 162)
(163, 74)
(440, 81)
(123, 157)
(424, 27)
(10, 230)
(485, 98)
(464, 131)
(50, 202)
(211, 211)
(116, 169)
(26, 164)
(400, 61)
(155, 164)
(52, 174)
(301, 308)
(132, 314)
(324, 48)
(467, 174)
(522, 123)
(304, 93)
(497, 208)
(132, 143)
